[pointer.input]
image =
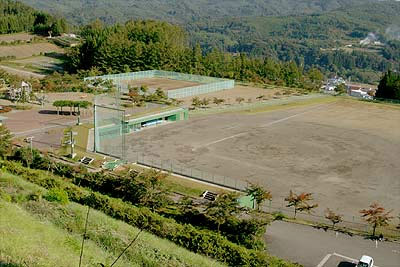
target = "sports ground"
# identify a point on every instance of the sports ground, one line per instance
(344, 151)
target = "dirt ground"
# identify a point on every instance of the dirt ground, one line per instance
(28, 50)
(16, 37)
(43, 123)
(163, 83)
(248, 93)
(346, 152)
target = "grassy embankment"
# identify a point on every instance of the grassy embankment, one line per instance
(42, 233)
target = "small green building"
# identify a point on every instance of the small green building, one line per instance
(139, 121)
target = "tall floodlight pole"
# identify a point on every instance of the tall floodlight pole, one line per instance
(30, 141)
(94, 129)
(71, 142)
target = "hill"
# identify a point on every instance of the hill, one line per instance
(44, 233)
(182, 11)
(329, 40)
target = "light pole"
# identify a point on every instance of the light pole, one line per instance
(71, 142)
(30, 141)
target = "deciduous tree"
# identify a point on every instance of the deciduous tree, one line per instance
(259, 194)
(218, 101)
(196, 102)
(239, 100)
(300, 202)
(5, 141)
(224, 207)
(376, 216)
(333, 217)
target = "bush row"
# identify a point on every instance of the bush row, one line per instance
(199, 241)
(145, 189)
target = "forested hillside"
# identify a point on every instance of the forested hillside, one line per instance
(182, 11)
(144, 45)
(16, 17)
(330, 40)
(322, 34)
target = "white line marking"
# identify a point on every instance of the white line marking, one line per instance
(226, 138)
(324, 260)
(293, 116)
(345, 257)
(262, 126)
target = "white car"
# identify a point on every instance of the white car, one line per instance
(365, 261)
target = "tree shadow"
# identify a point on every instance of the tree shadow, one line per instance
(9, 264)
(52, 112)
(346, 264)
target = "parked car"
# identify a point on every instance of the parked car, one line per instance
(366, 261)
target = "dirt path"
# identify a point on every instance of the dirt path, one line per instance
(22, 72)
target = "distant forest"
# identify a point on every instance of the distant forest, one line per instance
(314, 35)
(322, 35)
(16, 17)
(144, 45)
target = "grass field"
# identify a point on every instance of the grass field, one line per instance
(40, 233)
(328, 146)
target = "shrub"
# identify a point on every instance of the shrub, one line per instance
(57, 195)
(36, 196)
(4, 196)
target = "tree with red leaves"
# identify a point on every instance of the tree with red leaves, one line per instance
(376, 216)
(300, 202)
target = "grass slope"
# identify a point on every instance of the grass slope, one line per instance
(40, 233)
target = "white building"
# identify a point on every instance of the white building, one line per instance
(360, 94)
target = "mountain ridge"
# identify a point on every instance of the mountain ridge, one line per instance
(183, 11)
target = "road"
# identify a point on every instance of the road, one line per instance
(22, 72)
(317, 248)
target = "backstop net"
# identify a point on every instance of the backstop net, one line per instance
(207, 84)
(109, 126)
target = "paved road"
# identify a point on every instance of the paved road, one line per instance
(317, 248)
(22, 72)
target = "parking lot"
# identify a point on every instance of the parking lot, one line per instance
(316, 248)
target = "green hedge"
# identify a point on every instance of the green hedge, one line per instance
(199, 241)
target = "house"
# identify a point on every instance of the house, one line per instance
(354, 89)
(331, 84)
(360, 94)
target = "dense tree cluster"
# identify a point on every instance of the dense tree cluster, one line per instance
(144, 45)
(17, 17)
(327, 40)
(389, 87)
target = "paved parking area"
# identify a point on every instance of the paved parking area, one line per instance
(338, 260)
(317, 248)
